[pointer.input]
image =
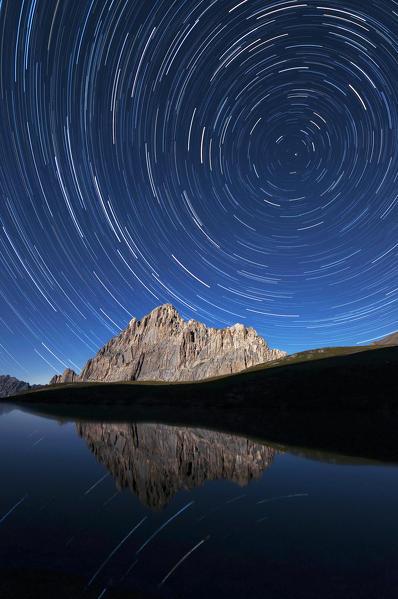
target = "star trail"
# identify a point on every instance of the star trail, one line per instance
(235, 158)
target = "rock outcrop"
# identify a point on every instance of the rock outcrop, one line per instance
(68, 376)
(9, 385)
(155, 461)
(390, 340)
(164, 347)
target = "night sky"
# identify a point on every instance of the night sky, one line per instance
(237, 159)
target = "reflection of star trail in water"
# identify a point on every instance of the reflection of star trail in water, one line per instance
(14, 507)
(234, 158)
(114, 551)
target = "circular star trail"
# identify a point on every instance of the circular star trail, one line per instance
(235, 158)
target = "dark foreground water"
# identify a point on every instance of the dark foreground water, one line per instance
(157, 511)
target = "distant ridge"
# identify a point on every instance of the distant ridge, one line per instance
(164, 347)
(390, 340)
(9, 385)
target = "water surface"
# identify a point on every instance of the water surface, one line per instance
(173, 512)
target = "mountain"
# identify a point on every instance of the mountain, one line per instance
(9, 385)
(68, 376)
(164, 347)
(390, 340)
(155, 461)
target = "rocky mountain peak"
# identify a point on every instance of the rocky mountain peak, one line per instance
(68, 376)
(163, 346)
(167, 309)
(163, 315)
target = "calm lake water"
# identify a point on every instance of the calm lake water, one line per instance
(169, 512)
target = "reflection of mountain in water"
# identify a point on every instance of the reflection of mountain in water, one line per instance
(156, 460)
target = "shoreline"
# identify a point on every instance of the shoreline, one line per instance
(344, 404)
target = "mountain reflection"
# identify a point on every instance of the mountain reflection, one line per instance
(155, 461)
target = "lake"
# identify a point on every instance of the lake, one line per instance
(91, 509)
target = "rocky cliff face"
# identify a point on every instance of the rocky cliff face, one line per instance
(9, 385)
(164, 347)
(154, 461)
(68, 376)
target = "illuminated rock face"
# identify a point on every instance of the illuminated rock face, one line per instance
(68, 376)
(155, 461)
(164, 347)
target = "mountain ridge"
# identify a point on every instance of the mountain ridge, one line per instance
(391, 339)
(163, 346)
(9, 385)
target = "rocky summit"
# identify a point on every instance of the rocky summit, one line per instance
(68, 376)
(164, 347)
